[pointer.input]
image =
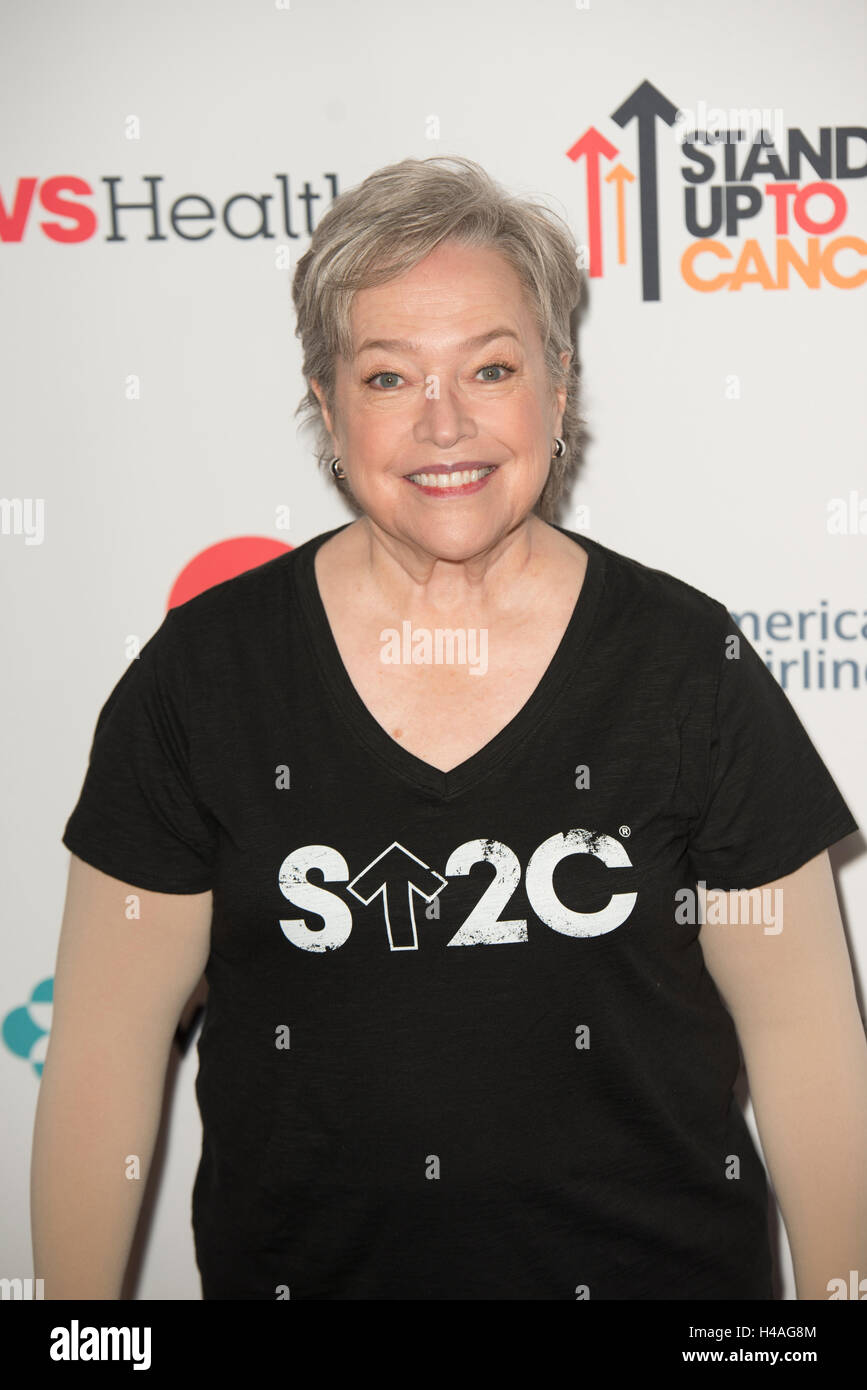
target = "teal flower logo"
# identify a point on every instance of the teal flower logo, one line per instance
(26, 1029)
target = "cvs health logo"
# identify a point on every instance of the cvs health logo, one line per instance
(61, 196)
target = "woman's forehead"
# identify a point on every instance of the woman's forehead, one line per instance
(457, 303)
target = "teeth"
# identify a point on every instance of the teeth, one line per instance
(467, 475)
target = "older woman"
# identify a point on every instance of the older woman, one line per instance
(460, 811)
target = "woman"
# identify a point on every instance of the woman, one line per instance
(465, 1035)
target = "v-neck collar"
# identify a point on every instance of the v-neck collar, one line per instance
(358, 718)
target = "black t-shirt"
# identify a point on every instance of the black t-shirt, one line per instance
(460, 1041)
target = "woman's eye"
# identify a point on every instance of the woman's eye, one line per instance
(491, 367)
(393, 375)
(496, 367)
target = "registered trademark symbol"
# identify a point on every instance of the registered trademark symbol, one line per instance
(625, 831)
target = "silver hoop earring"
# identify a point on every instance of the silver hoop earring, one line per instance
(559, 448)
(336, 470)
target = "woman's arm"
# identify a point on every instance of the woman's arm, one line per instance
(791, 995)
(120, 985)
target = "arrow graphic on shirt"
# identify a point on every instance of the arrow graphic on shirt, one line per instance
(396, 875)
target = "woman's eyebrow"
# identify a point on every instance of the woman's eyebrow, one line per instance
(406, 345)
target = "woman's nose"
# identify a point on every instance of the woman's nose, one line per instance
(443, 416)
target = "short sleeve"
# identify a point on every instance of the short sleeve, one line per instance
(137, 817)
(771, 803)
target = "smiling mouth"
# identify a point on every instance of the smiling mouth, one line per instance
(458, 477)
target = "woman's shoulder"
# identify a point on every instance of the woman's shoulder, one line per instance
(253, 592)
(237, 624)
(652, 597)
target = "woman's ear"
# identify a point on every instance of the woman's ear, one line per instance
(562, 392)
(320, 396)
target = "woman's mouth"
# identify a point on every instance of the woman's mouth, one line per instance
(452, 482)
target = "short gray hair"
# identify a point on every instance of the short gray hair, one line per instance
(384, 226)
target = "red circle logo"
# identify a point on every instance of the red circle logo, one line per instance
(223, 561)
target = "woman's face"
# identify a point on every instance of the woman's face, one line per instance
(430, 398)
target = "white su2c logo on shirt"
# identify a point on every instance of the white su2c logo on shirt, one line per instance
(397, 877)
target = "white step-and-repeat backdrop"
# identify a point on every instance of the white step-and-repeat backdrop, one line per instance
(163, 167)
